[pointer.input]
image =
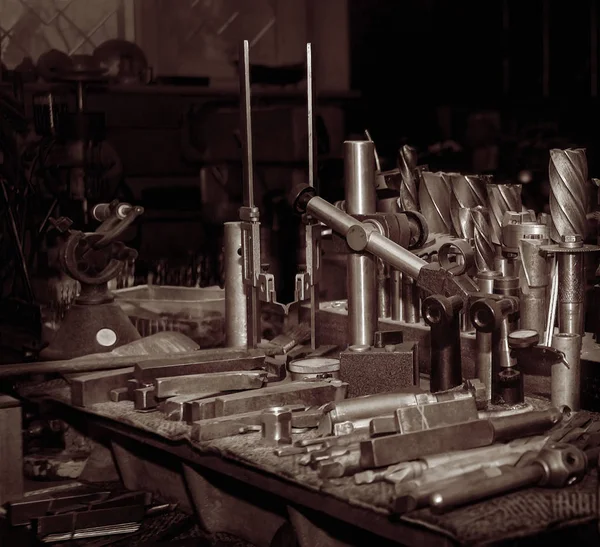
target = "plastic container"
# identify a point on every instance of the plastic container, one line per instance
(196, 312)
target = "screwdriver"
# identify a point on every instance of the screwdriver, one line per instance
(556, 466)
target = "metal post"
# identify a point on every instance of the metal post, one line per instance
(359, 170)
(236, 320)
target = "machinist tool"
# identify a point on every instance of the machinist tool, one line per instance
(467, 191)
(568, 174)
(409, 190)
(293, 393)
(556, 466)
(173, 408)
(566, 374)
(189, 384)
(502, 198)
(276, 425)
(236, 313)
(434, 199)
(570, 258)
(314, 368)
(408, 471)
(94, 322)
(95, 387)
(391, 449)
(482, 238)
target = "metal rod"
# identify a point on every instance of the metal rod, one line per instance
(593, 48)
(552, 300)
(396, 305)
(246, 120)
(571, 297)
(375, 154)
(236, 319)
(545, 48)
(359, 173)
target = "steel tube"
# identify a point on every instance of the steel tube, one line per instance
(359, 175)
(362, 304)
(396, 297)
(571, 276)
(236, 319)
(383, 290)
(411, 301)
(566, 382)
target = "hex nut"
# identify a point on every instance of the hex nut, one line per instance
(276, 425)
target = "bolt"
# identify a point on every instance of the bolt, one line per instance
(571, 240)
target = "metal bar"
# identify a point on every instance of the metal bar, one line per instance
(236, 319)
(246, 112)
(594, 48)
(545, 48)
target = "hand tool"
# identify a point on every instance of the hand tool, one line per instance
(566, 375)
(341, 466)
(276, 423)
(502, 198)
(556, 466)
(236, 318)
(434, 199)
(144, 398)
(532, 358)
(442, 315)
(570, 256)
(314, 368)
(432, 415)
(293, 393)
(391, 449)
(482, 238)
(466, 191)
(359, 171)
(199, 362)
(227, 426)
(328, 453)
(174, 407)
(409, 191)
(568, 174)
(491, 316)
(212, 381)
(94, 387)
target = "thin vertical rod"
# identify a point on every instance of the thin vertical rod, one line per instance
(594, 48)
(246, 119)
(546, 48)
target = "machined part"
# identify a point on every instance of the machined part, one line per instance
(533, 281)
(236, 326)
(482, 240)
(314, 368)
(209, 382)
(411, 300)
(434, 200)
(566, 375)
(502, 198)
(276, 425)
(568, 174)
(466, 191)
(409, 191)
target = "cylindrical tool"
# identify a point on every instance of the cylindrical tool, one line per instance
(383, 290)
(533, 281)
(502, 198)
(442, 315)
(483, 340)
(359, 173)
(571, 286)
(236, 318)
(566, 376)
(396, 297)
(466, 191)
(409, 192)
(277, 425)
(434, 198)
(568, 173)
(411, 300)
(482, 238)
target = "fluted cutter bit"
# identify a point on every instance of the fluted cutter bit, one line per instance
(568, 173)
(434, 198)
(407, 164)
(502, 198)
(482, 238)
(466, 191)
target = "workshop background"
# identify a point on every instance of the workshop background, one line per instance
(476, 87)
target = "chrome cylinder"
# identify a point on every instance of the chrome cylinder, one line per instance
(396, 295)
(359, 176)
(571, 293)
(383, 290)
(566, 377)
(362, 304)
(411, 300)
(236, 326)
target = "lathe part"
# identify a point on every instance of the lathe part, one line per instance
(94, 387)
(276, 425)
(209, 382)
(359, 175)
(571, 293)
(236, 319)
(434, 200)
(566, 376)
(379, 370)
(411, 300)
(483, 361)
(396, 295)
(465, 221)
(362, 303)
(438, 414)
(534, 264)
(502, 198)
(534, 280)
(466, 191)
(391, 449)
(485, 280)
(482, 238)
(409, 192)
(568, 173)
(383, 290)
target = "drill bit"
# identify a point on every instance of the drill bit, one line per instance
(465, 222)
(407, 164)
(434, 197)
(568, 172)
(502, 198)
(482, 240)
(466, 191)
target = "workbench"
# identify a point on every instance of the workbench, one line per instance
(235, 483)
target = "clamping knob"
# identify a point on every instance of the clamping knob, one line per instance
(299, 197)
(563, 464)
